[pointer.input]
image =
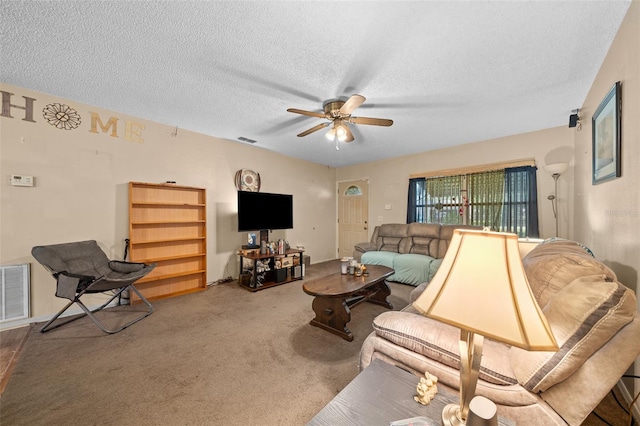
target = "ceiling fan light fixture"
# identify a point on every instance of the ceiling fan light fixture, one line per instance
(331, 134)
(339, 114)
(341, 132)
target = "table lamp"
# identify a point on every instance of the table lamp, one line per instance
(481, 288)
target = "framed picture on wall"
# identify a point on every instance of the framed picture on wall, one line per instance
(606, 135)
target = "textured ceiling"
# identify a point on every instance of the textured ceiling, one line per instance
(446, 72)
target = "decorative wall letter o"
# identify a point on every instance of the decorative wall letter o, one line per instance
(61, 116)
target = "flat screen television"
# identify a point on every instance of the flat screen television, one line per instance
(258, 211)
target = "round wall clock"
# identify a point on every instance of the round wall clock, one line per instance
(247, 180)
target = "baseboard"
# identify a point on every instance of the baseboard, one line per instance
(9, 325)
(322, 260)
(74, 310)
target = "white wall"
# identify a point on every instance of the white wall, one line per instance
(389, 179)
(81, 189)
(607, 215)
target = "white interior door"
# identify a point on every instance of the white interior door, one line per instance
(353, 215)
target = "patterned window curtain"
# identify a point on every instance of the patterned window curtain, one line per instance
(520, 209)
(486, 194)
(504, 200)
(444, 200)
(415, 203)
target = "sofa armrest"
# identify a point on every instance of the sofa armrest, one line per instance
(376, 347)
(440, 342)
(416, 292)
(361, 248)
(583, 317)
(364, 247)
(575, 397)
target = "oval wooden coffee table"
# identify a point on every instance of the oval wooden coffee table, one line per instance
(336, 294)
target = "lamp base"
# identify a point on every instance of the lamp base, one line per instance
(451, 416)
(482, 412)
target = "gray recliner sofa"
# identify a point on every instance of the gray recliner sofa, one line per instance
(592, 315)
(414, 250)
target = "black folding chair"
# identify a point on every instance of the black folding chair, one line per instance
(81, 268)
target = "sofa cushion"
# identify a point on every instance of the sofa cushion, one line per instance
(412, 269)
(390, 236)
(583, 316)
(423, 238)
(550, 266)
(568, 243)
(422, 245)
(389, 244)
(433, 268)
(384, 258)
(439, 341)
(446, 234)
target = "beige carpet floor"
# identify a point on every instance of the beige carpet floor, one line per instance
(224, 356)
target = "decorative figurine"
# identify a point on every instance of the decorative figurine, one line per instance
(427, 389)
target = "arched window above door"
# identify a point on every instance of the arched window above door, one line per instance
(352, 190)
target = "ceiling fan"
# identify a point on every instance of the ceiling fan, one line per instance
(339, 113)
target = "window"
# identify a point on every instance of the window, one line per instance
(352, 190)
(437, 200)
(504, 200)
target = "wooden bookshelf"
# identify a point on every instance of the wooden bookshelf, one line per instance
(167, 226)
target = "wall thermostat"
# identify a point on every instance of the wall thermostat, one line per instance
(21, 180)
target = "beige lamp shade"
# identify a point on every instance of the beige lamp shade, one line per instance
(481, 287)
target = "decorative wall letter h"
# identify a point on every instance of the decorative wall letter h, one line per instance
(6, 106)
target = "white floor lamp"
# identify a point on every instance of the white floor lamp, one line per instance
(555, 170)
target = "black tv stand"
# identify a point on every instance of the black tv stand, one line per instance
(248, 278)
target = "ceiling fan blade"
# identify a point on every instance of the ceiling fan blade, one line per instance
(372, 121)
(314, 129)
(349, 135)
(309, 113)
(351, 104)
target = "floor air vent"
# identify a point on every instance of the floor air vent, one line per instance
(14, 294)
